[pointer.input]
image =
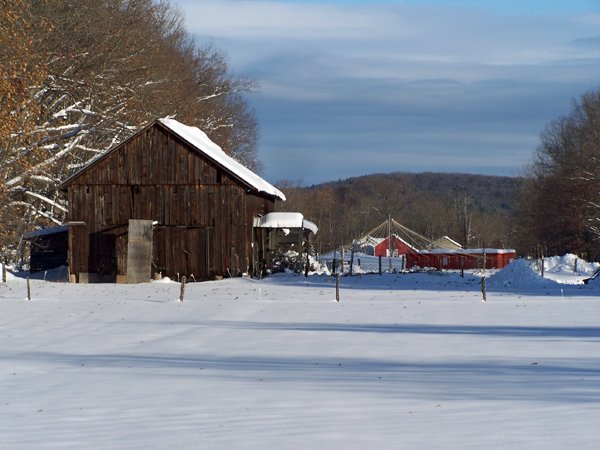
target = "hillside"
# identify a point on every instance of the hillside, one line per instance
(494, 194)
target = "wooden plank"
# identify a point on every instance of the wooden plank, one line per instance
(139, 251)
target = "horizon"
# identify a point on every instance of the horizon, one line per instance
(298, 184)
(351, 88)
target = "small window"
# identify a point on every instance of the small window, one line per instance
(219, 176)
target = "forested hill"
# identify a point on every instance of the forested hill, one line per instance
(472, 209)
(494, 194)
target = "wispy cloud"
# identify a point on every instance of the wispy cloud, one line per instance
(332, 72)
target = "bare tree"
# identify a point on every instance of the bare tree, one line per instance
(22, 70)
(103, 69)
(559, 205)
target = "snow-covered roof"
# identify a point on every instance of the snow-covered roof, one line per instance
(197, 138)
(444, 241)
(369, 240)
(202, 143)
(285, 220)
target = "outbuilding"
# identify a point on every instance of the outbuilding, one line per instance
(48, 248)
(468, 258)
(166, 201)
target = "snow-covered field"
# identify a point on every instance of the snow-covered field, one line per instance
(409, 361)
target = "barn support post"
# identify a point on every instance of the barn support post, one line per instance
(207, 261)
(264, 256)
(307, 268)
(300, 243)
(254, 257)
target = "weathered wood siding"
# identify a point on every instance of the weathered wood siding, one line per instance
(204, 214)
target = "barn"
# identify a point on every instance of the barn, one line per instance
(448, 259)
(166, 201)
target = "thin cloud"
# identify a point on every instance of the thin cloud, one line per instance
(395, 78)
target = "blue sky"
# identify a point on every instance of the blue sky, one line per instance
(349, 88)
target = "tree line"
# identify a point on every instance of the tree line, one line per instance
(558, 209)
(76, 78)
(474, 210)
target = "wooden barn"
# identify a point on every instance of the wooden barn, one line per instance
(166, 201)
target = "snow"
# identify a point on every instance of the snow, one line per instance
(558, 272)
(285, 220)
(412, 360)
(202, 142)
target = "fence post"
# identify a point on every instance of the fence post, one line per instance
(182, 290)
(28, 289)
(379, 264)
(337, 288)
(483, 289)
(4, 272)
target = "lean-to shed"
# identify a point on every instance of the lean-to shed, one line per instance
(167, 200)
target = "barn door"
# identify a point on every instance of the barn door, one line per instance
(198, 252)
(139, 251)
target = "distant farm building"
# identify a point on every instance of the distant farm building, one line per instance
(166, 201)
(392, 239)
(479, 258)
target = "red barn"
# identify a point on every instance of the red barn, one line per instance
(474, 258)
